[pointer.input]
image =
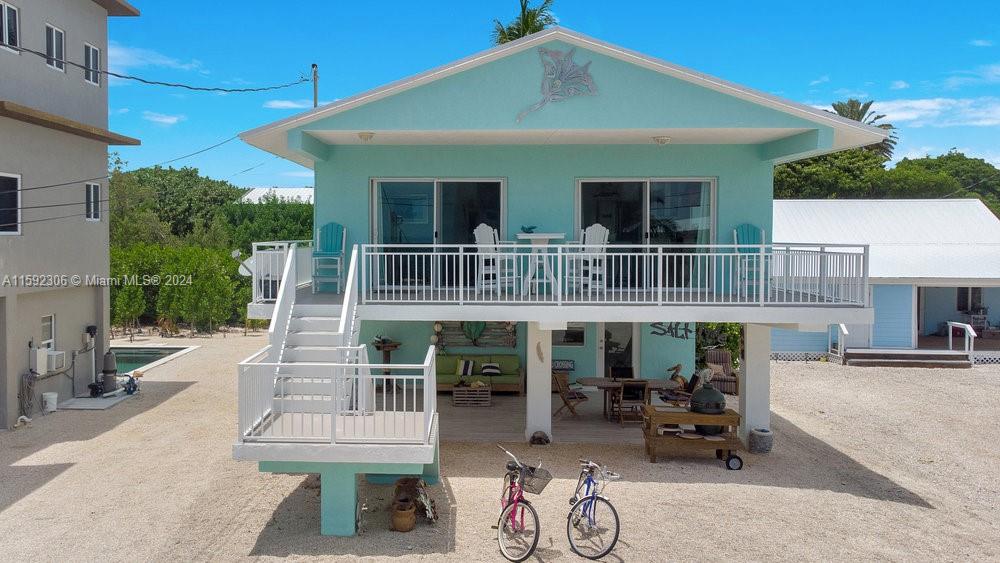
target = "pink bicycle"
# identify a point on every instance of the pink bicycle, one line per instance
(517, 529)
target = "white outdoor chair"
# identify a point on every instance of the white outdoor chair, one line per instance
(586, 269)
(494, 269)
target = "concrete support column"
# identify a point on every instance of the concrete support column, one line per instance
(338, 500)
(755, 380)
(539, 384)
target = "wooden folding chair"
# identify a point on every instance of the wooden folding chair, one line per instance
(569, 397)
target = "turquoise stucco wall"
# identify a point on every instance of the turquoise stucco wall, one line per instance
(541, 180)
(657, 352)
(492, 95)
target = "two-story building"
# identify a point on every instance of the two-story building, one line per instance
(53, 194)
(593, 202)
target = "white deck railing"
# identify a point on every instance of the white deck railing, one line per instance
(571, 274)
(353, 401)
(268, 266)
(969, 334)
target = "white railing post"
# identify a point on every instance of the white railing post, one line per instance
(864, 296)
(460, 283)
(761, 269)
(822, 273)
(558, 282)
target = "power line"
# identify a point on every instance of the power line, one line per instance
(206, 149)
(49, 205)
(254, 167)
(302, 78)
(102, 210)
(970, 186)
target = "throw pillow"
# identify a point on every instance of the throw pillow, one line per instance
(717, 369)
(463, 367)
(490, 369)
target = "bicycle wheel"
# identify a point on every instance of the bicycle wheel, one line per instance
(592, 527)
(517, 531)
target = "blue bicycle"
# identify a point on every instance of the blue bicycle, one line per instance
(592, 524)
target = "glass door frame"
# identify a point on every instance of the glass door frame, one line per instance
(601, 345)
(375, 211)
(647, 181)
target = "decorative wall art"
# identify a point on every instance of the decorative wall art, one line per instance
(477, 333)
(562, 78)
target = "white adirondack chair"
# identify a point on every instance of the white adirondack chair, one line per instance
(493, 268)
(586, 271)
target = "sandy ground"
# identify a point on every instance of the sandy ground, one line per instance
(869, 464)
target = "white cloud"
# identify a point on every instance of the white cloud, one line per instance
(849, 93)
(162, 118)
(288, 104)
(942, 112)
(120, 111)
(821, 80)
(298, 174)
(292, 104)
(981, 42)
(899, 85)
(986, 74)
(122, 59)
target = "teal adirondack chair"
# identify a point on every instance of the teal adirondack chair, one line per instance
(328, 256)
(749, 266)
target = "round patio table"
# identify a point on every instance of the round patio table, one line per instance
(607, 385)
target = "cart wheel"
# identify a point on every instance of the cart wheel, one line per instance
(734, 463)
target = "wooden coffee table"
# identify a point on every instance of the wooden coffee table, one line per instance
(471, 396)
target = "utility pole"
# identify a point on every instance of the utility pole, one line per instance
(315, 85)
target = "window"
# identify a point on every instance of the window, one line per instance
(48, 332)
(9, 25)
(572, 336)
(10, 204)
(93, 202)
(92, 62)
(970, 299)
(55, 43)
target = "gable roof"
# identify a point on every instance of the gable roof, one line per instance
(951, 241)
(847, 133)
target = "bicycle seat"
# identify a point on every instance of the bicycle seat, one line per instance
(511, 465)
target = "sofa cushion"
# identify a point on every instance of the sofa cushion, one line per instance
(477, 369)
(464, 367)
(490, 369)
(445, 363)
(509, 363)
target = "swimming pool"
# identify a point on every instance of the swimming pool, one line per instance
(131, 358)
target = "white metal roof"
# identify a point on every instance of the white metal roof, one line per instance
(254, 195)
(847, 132)
(949, 241)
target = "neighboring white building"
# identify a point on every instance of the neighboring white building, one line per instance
(255, 195)
(931, 261)
(53, 193)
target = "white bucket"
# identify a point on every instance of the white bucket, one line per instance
(50, 402)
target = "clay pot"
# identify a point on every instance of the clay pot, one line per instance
(404, 516)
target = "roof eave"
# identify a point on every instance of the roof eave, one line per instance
(118, 7)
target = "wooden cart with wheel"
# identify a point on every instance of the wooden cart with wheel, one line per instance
(670, 444)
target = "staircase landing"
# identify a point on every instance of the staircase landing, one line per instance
(887, 357)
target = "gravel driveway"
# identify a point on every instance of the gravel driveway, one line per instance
(887, 464)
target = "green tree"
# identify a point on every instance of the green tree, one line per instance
(183, 196)
(529, 20)
(129, 305)
(861, 111)
(974, 177)
(270, 219)
(132, 206)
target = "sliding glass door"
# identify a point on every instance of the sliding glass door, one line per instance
(649, 212)
(428, 212)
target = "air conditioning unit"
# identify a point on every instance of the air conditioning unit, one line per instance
(56, 360)
(38, 360)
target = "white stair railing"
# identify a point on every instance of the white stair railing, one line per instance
(969, 334)
(277, 331)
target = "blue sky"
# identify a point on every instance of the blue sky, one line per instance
(934, 71)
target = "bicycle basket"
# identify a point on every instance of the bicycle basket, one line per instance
(535, 480)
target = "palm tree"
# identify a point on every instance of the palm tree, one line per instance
(854, 109)
(530, 20)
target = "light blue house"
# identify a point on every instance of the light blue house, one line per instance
(556, 131)
(932, 262)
